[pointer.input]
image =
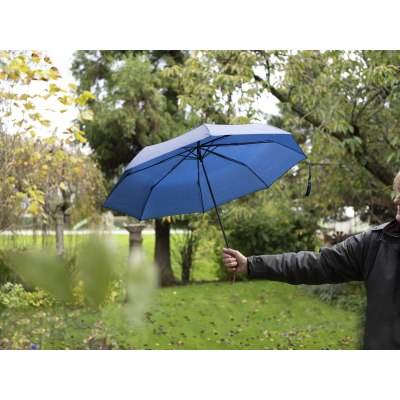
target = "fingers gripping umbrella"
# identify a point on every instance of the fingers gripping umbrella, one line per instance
(204, 168)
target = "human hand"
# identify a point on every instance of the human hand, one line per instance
(234, 261)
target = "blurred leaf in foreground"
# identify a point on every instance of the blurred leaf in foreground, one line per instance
(141, 283)
(95, 263)
(45, 270)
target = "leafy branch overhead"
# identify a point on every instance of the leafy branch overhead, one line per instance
(349, 98)
(26, 158)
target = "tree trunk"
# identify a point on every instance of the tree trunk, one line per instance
(162, 256)
(44, 229)
(60, 232)
(187, 253)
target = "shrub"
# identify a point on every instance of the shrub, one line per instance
(270, 230)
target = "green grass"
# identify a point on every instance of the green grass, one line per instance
(247, 315)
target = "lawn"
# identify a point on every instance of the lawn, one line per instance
(246, 315)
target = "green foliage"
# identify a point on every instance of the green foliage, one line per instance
(7, 273)
(185, 248)
(137, 105)
(348, 99)
(270, 229)
(16, 297)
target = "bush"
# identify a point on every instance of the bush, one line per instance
(270, 230)
(16, 297)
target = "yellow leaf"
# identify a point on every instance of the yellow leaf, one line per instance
(66, 100)
(54, 89)
(72, 159)
(89, 95)
(56, 72)
(169, 219)
(45, 167)
(73, 87)
(79, 137)
(62, 186)
(88, 114)
(2, 76)
(45, 123)
(81, 100)
(4, 54)
(34, 208)
(35, 116)
(47, 60)
(63, 111)
(36, 55)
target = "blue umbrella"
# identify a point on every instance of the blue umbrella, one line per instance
(204, 168)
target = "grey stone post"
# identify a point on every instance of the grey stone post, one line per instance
(135, 236)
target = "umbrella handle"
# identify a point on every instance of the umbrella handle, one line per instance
(230, 275)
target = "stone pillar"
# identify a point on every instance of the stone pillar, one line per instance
(135, 236)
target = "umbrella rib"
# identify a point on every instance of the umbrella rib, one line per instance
(151, 190)
(139, 170)
(240, 163)
(210, 143)
(160, 162)
(198, 182)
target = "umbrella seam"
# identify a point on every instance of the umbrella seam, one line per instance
(208, 130)
(151, 190)
(139, 170)
(263, 141)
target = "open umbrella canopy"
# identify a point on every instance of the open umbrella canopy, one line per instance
(204, 168)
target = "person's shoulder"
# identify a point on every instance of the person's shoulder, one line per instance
(379, 227)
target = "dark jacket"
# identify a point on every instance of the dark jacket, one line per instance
(372, 257)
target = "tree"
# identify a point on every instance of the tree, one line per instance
(24, 160)
(349, 100)
(136, 106)
(64, 189)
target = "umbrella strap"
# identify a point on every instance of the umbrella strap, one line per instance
(234, 277)
(309, 179)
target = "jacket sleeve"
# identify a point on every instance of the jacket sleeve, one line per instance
(341, 263)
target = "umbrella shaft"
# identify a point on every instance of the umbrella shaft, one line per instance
(215, 204)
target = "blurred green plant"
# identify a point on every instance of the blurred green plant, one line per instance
(95, 287)
(141, 282)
